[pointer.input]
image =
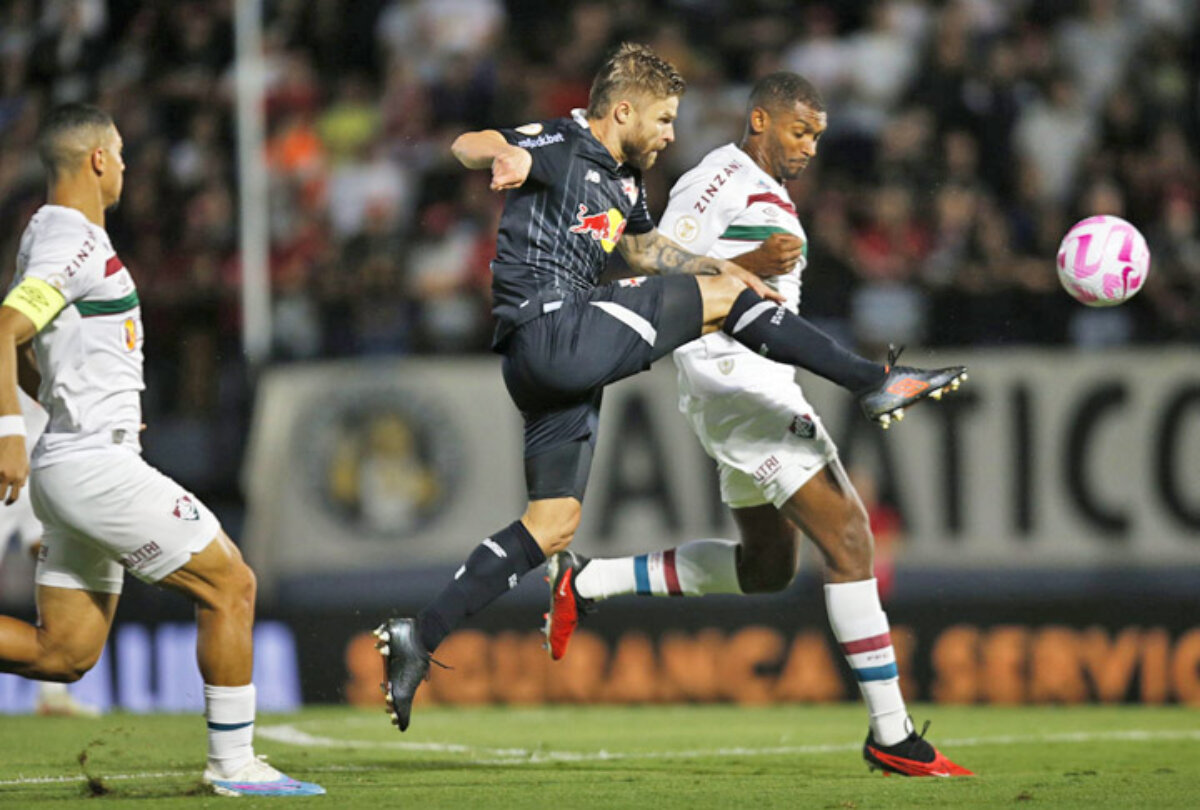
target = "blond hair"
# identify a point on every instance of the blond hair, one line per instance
(632, 68)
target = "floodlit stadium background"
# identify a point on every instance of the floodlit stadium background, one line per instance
(317, 317)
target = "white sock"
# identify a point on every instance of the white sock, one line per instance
(52, 690)
(229, 711)
(695, 568)
(862, 629)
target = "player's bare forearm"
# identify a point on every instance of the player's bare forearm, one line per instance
(477, 150)
(776, 255)
(654, 254)
(487, 148)
(15, 330)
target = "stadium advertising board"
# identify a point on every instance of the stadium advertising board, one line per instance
(1046, 460)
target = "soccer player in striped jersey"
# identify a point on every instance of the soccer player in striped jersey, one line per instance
(574, 195)
(779, 468)
(103, 508)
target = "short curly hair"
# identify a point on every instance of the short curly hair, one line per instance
(636, 68)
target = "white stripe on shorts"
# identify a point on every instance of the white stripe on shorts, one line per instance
(631, 319)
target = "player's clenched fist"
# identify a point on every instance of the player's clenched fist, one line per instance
(777, 255)
(14, 467)
(510, 168)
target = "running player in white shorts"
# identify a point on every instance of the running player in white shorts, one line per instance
(17, 521)
(779, 470)
(104, 509)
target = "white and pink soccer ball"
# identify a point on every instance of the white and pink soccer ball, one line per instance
(1103, 261)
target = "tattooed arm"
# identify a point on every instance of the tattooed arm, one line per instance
(653, 254)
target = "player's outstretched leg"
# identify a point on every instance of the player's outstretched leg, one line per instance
(695, 568)
(883, 391)
(223, 587)
(494, 567)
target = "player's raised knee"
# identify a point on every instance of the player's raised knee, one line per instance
(718, 293)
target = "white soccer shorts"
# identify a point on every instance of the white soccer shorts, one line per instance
(765, 436)
(109, 511)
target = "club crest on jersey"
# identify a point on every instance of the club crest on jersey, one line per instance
(725, 365)
(185, 509)
(129, 332)
(605, 226)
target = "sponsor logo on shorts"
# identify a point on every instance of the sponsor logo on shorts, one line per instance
(777, 316)
(185, 509)
(767, 470)
(636, 281)
(803, 426)
(145, 554)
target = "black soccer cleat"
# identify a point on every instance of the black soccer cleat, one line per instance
(406, 664)
(566, 605)
(912, 756)
(904, 386)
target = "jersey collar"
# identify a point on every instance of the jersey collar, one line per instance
(592, 148)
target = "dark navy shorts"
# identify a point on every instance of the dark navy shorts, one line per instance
(556, 367)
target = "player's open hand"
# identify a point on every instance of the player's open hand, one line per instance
(510, 168)
(753, 282)
(14, 467)
(777, 255)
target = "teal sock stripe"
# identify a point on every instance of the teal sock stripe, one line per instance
(882, 673)
(641, 573)
(228, 726)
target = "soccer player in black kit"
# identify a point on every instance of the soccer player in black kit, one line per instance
(575, 194)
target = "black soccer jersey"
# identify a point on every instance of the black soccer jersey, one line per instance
(558, 228)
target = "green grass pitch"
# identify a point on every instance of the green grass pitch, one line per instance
(609, 757)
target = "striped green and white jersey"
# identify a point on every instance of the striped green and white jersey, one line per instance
(90, 354)
(727, 205)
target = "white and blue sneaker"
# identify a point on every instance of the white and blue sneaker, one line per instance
(257, 778)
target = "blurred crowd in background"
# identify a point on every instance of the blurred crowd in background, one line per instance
(965, 137)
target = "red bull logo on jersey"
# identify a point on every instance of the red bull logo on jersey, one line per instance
(129, 331)
(605, 226)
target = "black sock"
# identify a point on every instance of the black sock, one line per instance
(778, 335)
(493, 568)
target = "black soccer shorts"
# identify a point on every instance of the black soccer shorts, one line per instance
(556, 367)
